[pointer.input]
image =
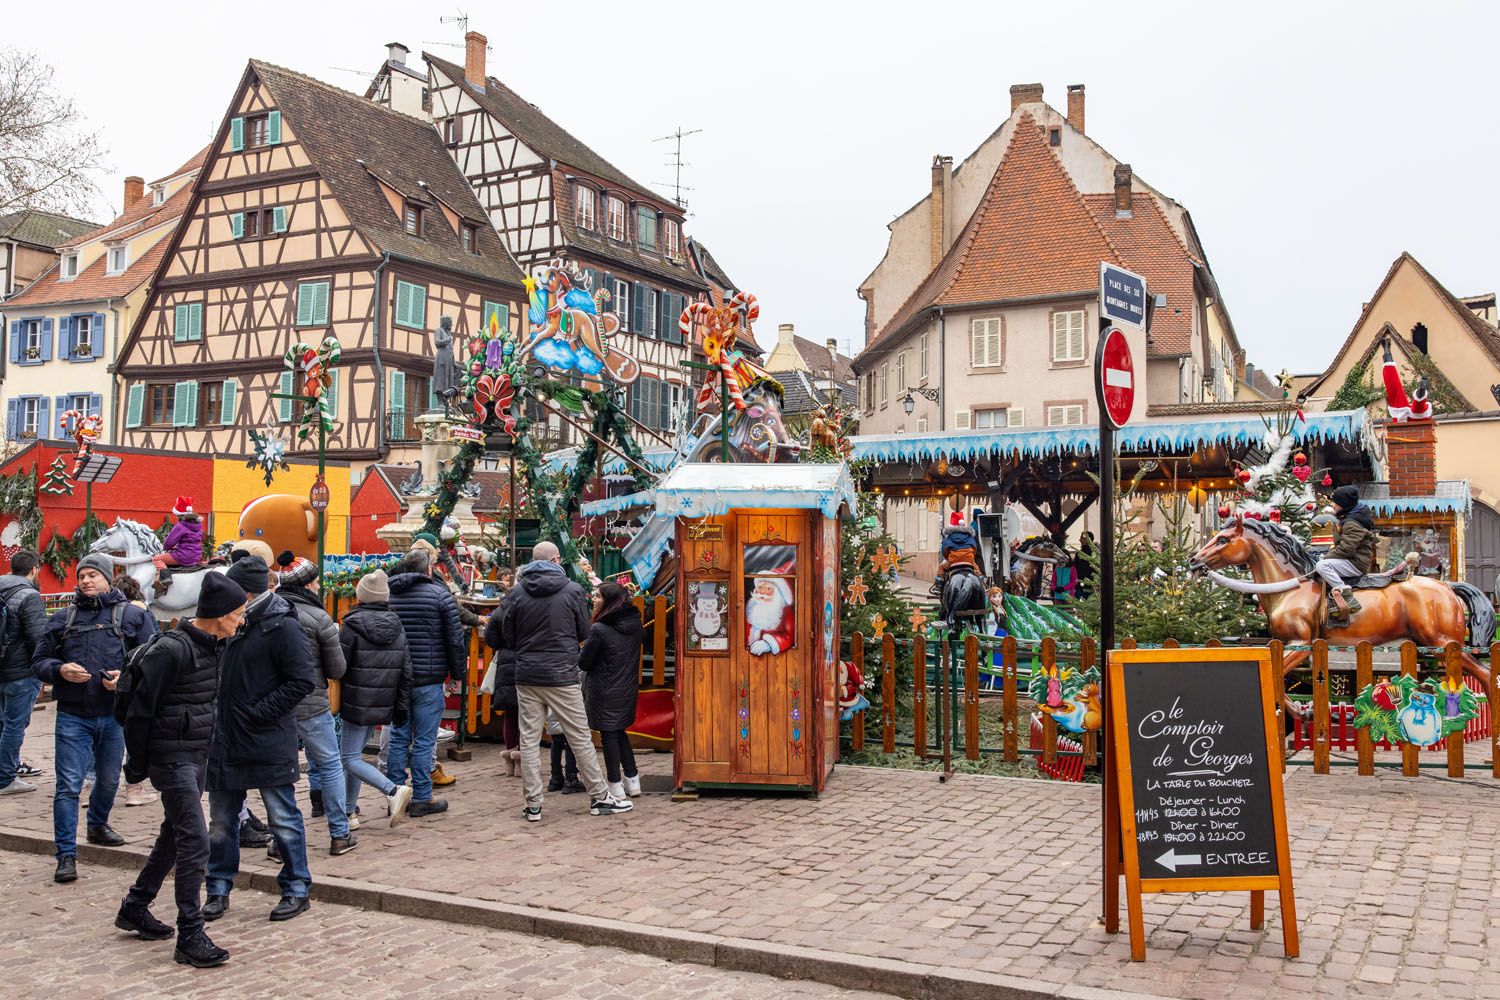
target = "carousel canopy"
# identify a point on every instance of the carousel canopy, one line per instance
(696, 489)
(1452, 496)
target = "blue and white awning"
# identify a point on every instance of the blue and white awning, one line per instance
(697, 489)
(1452, 497)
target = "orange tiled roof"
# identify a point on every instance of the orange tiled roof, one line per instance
(92, 283)
(142, 215)
(1149, 246)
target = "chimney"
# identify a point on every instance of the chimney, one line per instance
(1122, 190)
(135, 188)
(396, 53)
(1411, 458)
(1024, 93)
(942, 176)
(1075, 105)
(784, 336)
(474, 46)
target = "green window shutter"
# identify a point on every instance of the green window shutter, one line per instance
(321, 310)
(196, 312)
(312, 303)
(237, 224)
(278, 219)
(284, 406)
(304, 304)
(273, 128)
(333, 391)
(398, 392)
(419, 307)
(135, 401)
(227, 401)
(181, 324)
(185, 404)
(236, 134)
(403, 302)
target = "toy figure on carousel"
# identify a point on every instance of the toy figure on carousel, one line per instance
(183, 547)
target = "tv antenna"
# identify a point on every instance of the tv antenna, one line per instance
(676, 162)
(461, 19)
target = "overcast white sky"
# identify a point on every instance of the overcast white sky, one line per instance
(1312, 142)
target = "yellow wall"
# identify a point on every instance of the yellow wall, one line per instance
(236, 485)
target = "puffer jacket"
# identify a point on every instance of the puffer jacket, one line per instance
(610, 660)
(323, 637)
(171, 715)
(25, 622)
(504, 697)
(266, 672)
(547, 618)
(436, 640)
(377, 683)
(1355, 537)
(94, 644)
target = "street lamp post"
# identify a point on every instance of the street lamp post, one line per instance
(909, 404)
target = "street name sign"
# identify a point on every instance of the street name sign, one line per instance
(1122, 296)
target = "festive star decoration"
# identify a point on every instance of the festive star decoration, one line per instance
(1284, 379)
(529, 283)
(878, 623)
(858, 590)
(918, 620)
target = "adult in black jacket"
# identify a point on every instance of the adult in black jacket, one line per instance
(429, 616)
(25, 621)
(266, 672)
(609, 661)
(80, 655)
(168, 726)
(377, 689)
(504, 698)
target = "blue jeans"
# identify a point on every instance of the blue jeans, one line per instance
(84, 744)
(357, 770)
(417, 742)
(324, 760)
(314, 779)
(285, 821)
(16, 701)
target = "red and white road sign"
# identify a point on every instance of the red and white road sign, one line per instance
(1114, 378)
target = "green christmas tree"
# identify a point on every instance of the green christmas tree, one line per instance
(1280, 489)
(58, 481)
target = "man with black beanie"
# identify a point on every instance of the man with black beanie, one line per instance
(265, 672)
(168, 726)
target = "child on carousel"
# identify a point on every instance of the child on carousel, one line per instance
(183, 547)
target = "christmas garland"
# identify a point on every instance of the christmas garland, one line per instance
(18, 499)
(65, 551)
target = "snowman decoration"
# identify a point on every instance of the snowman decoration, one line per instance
(708, 617)
(1420, 722)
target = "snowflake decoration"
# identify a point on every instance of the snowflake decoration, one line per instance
(270, 453)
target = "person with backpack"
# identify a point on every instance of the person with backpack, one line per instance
(609, 661)
(81, 654)
(23, 618)
(165, 702)
(376, 689)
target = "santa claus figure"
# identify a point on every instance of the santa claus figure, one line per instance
(1400, 407)
(770, 616)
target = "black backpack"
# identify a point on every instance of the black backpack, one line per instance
(131, 674)
(5, 598)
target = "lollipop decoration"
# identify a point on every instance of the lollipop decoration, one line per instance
(314, 366)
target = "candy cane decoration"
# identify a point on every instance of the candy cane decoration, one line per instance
(746, 305)
(82, 427)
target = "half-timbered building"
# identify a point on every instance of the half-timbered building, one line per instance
(318, 213)
(551, 197)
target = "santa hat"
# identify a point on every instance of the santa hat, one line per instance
(779, 585)
(183, 506)
(956, 522)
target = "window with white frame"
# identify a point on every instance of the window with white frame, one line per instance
(671, 238)
(31, 333)
(653, 312)
(901, 372)
(616, 220)
(118, 256)
(986, 342)
(869, 391)
(922, 357)
(69, 266)
(1067, 335)
(83, 335)
(622, 303)
(1064, 414)
(587, 214)
(29, 416)
(158, 195)
(990, 419)
(885, 385)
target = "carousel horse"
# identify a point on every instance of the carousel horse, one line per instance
(965, 595)
(139, 543)
(1025, 565)
(1394, 606)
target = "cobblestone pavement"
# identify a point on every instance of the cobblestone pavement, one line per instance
(60, 943)
(1396, 877)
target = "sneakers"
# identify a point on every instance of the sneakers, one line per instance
(104, 836)
(354, 821)
(214, 907)
(610, 806)
(315, 796)
(139, 795)
(617, 789)
(441, 778)
(25, 770)
(140, 920)
(342, 845)
(444, 734)
(533, 814)
(67, 870)
(429, 808)
(18, 786)
(289, 907)
(399, 802)
(199, 952)
(633, 786)
(254, 833)
(573, 786)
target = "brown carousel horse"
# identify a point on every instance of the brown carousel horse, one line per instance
(1427, 611)
(1026, 562)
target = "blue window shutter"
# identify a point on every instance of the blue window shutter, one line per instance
(236, 134)
(12, 419)
(96, 405)
(304, 304)
(59, 406)
(98, 334)
(237, 224)
(47, 339)
(197, 320)
(397, 403)
(419, 306)
(65, 337)
(15, 342)
(278, 219)
(135, 400)
(284, 406)
(43, 426)
(273, 128)
(228, 401)
(608, 284)
(322, 304)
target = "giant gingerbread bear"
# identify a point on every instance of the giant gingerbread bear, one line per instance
(285, 522)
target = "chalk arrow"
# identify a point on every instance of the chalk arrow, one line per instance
(1172, 859)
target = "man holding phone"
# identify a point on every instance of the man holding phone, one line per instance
(80, 655)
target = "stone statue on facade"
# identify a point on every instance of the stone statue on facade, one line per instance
(444, 368)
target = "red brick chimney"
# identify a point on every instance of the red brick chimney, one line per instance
(135, 188)
(1411, 458)
(942, 176)
(1123, 174)
(1075, 105)
(474, 46)
(1024, 93)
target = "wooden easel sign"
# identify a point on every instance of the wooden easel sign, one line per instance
(1193, 735)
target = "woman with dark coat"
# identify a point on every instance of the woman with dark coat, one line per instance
(504, 698)
(609, 661)
(376, 691)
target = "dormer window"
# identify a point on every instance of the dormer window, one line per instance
(411, 219)
(671, 238)
(645, 227)
(587, 214)
(69, 266)
(158, 195)
(470, 236)
(118, 258)
(616, 219)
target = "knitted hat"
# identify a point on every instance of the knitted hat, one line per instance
(1346, 497)
(184, 505)
(99, 563)
(254, 547)
(295, 571)
(372, 588)
(251, 574)
(424, 536)
(219, 596)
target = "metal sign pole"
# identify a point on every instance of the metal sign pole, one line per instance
(1111, 826)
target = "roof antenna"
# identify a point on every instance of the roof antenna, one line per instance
(461, 19)
(676, 162)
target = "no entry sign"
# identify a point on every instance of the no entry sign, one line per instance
(1114, 378)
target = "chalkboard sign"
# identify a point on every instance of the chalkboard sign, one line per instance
(1193, 736)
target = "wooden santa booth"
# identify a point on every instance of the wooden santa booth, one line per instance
(758, 622)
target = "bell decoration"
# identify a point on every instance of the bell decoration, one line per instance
(1327, 480)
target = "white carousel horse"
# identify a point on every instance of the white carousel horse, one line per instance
(140, 544)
